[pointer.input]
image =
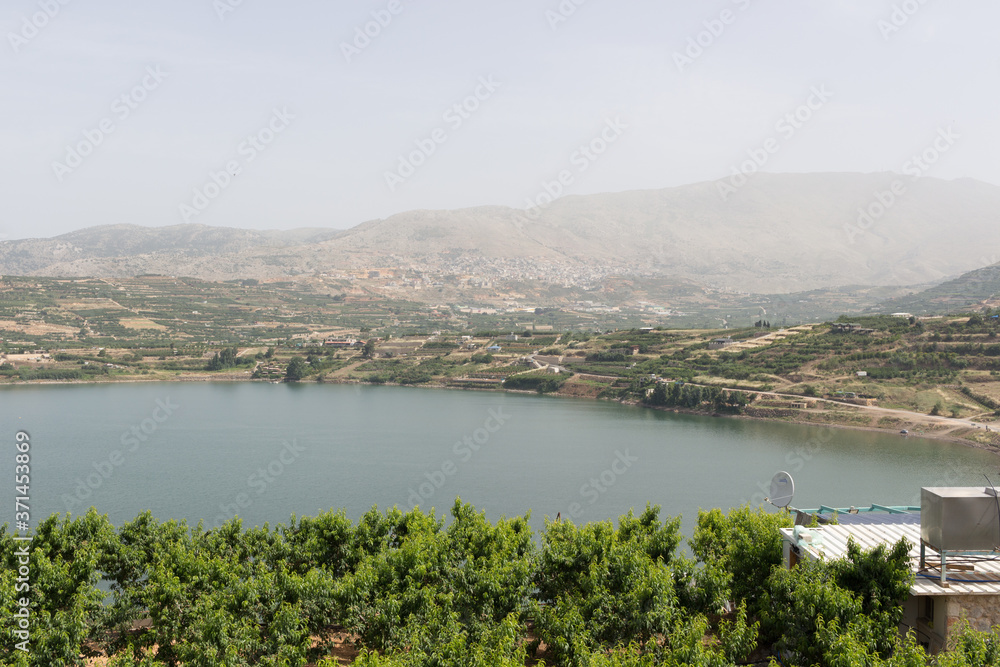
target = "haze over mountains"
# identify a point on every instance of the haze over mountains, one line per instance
(778, 233)
(975, 288)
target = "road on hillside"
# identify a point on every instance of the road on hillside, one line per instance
(917, 417)
(904, 414)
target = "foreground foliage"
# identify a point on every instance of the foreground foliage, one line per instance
(414, 590)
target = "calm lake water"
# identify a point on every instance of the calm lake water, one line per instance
(207, 451)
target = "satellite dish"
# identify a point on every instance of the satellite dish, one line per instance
(782, 489)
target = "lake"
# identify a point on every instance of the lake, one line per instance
(207, 451)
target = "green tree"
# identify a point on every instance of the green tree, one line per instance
(746, 544)
(602, 587)
(225, 358)
(880, 577)
(418, 592)
(658, 395)
(800, 603)
(972, 648)
(66, 557)
(296, 369)
(812, 608)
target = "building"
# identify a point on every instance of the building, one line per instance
(953, 539)
(852, 328)
(720, 342)
(341, 342)
(493, 348)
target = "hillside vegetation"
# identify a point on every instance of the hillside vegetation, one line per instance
(937, 369)
(981, 286)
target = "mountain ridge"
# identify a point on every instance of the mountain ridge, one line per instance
(778, 233)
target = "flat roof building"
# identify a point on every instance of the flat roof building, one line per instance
(969, 586)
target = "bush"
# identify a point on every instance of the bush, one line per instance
(540, 383)
(972, 649)
(228, 358)
(440, 345)
(608, 356)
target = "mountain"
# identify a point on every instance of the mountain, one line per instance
(129, 250)
(976, 288)
(778, 233)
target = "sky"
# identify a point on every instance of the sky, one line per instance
(268, 115)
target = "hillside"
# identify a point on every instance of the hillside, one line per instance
(129, 250)
(779, 233)
(979, 287)
(938, 377)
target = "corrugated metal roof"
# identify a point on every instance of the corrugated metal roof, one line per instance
(877, 518)
(830, 543)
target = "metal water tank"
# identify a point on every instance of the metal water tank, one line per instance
(959, 518)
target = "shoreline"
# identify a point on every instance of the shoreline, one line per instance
(930, 435)
(944, 437)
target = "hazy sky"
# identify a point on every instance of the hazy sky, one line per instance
(312, 115)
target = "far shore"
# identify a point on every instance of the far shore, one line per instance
(914, 428)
